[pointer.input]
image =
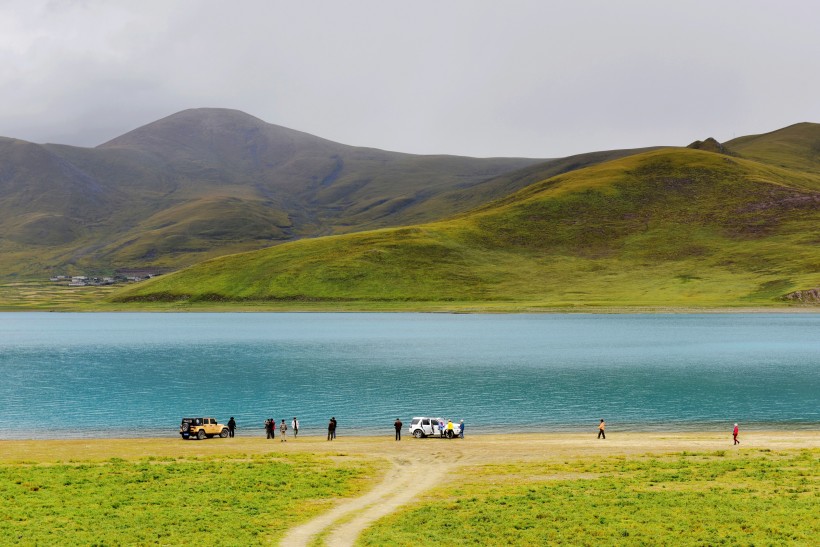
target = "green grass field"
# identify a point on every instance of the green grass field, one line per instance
(228, 500)
(755, 497)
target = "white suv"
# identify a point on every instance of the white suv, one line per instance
(428, 427)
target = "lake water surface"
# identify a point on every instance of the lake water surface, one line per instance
(126, 374)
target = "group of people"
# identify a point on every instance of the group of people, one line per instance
(270, 429)
(448, 430)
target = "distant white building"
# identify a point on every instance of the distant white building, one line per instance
(78, 281)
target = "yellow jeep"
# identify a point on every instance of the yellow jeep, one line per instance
(199, 428)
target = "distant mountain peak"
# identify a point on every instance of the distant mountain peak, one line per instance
(202, 128)
(711, 145)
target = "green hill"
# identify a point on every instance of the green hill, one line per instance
(669, 227)
(796, 147)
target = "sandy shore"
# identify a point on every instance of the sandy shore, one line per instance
(475, 449)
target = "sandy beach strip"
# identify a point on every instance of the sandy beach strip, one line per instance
(473, 450)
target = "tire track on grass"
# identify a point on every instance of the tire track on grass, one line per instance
(408, 477)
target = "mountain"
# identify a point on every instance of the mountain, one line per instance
(206, 182)
(666, 227)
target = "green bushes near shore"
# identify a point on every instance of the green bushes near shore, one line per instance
(723, 498)
(237, 500)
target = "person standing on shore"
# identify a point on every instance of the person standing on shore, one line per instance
(735, 431)
(270, 428)
(397, 424)
(461, 429)
(283, 430)
(335, 425)
(295, 426)
(231, 427)
(601, 428)
(331, 429)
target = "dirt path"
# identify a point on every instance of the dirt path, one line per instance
(409, 476)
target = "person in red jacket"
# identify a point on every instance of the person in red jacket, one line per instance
(734, 434)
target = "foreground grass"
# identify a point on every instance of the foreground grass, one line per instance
(748, 498)
(228, 500)
(47, 296)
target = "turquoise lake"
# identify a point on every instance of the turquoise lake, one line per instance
(70, 375)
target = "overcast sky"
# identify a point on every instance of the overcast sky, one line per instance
(481, 78)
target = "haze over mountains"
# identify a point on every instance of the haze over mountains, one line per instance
(207, 182)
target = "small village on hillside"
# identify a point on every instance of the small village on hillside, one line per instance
(120, 276)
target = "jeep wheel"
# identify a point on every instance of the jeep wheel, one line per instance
(224, 433)
(418, 434)
(201, 434)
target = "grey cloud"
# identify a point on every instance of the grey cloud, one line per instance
(525, 78)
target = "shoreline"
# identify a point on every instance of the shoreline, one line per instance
(312, 433)
(474, 449)
(32, 296)
(478, 309)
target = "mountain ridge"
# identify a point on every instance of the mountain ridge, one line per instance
(113, 205)
(647, 226)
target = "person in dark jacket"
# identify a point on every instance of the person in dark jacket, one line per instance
(270, 428)
(461, 429)
(231, 426)
(331, 429)
(397, 424)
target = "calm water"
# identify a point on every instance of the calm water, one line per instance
(104, 375)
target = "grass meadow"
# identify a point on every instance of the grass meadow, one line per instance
(226, 500)
(541, 491)
(46, 296)
(754, 497)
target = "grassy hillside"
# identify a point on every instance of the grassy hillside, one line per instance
(670, 227)
(795, 147)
